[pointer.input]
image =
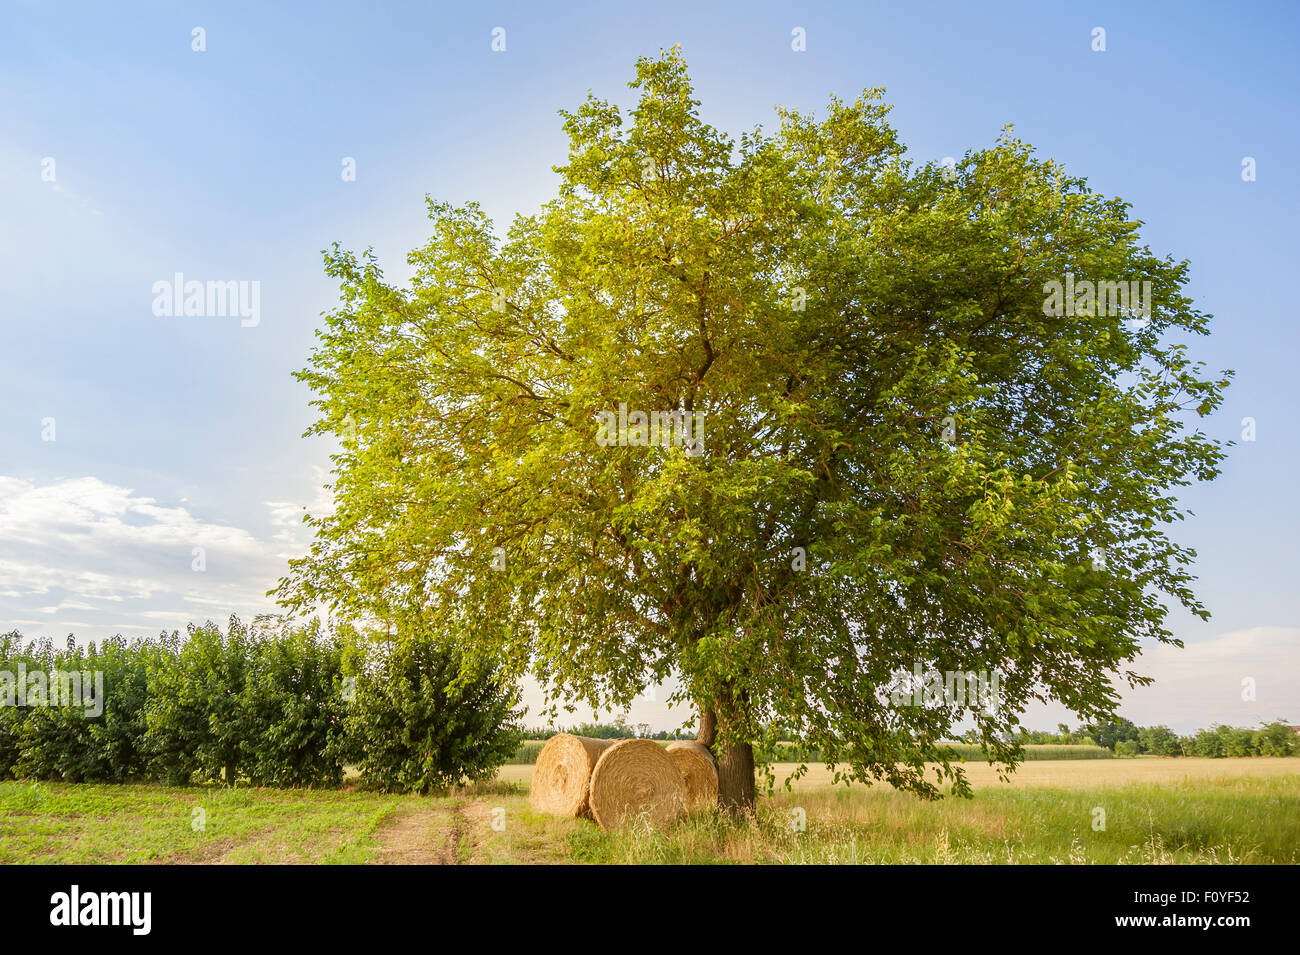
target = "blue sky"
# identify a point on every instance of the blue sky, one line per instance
(172, 433)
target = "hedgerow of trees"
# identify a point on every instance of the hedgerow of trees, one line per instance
(282, 707)
(1124, 738)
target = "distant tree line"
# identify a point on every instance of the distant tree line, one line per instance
(1120, 736)
(1124, 738)
(268, 707)
(620, 728)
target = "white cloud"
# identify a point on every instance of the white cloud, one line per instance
(1196, 686)
(1202, 683)
(93, 558)
(86, 509)
(288, 516)
(117, 559)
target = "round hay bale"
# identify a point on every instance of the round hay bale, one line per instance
(699, 772)
(562, 774)
(636, 777)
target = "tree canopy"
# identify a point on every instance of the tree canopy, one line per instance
(907, 457)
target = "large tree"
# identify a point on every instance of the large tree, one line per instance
(910, 456)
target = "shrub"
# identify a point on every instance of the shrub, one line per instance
(11, 717)
(195, 715)
(299, 703)
(266, 707)
(1277, 739)
(293, 709)
(117, 753)
(69, 743)
(424, 720)
(1237, 741)
(1208, 743)
(1109, 733)
(1159, 741)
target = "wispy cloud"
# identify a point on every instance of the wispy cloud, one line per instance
(93, 558)
(85, 555)
(1211, 681)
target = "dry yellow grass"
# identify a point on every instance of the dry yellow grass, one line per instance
(1056, 773)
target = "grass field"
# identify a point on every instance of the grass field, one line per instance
(1085, 773)
(1156, 811)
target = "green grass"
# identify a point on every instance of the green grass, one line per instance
(1239, 821)
(67, 823)
(1178, 818)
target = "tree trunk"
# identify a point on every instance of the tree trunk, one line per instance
(735, 765)
(736, 778)
(708, 727)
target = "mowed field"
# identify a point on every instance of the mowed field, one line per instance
(1086, 773)
(1154, 811)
